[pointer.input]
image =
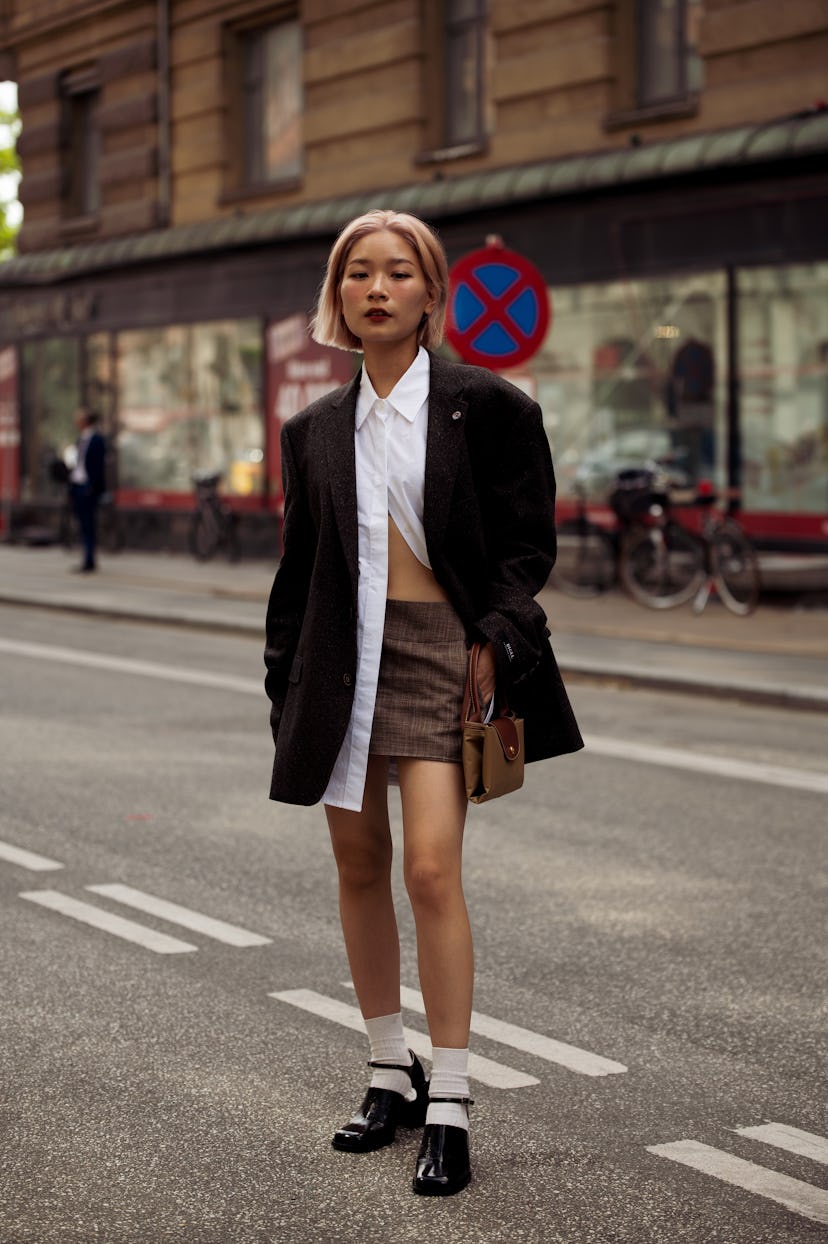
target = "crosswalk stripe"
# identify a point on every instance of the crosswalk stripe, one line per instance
(231, 934)
(803, 1198)
(484, 1070)
(27, 859)
(528, 1042)
(161, 943)
(793, 1139)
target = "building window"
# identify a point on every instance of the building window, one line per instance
(271, 79)
(81, 144)
(668, 65)
(464, 71)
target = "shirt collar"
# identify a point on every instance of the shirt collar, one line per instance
(407, 396)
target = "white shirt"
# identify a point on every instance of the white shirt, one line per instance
(390, 443)
(77, 474)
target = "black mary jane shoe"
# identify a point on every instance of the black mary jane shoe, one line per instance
(443, 1164)
(382, 1112)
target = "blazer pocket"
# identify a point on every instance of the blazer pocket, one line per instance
(295, 674)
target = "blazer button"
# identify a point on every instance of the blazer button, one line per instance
(346, 678)
(456, 415)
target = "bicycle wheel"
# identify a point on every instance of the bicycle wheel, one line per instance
(735, 567)
(204, 535)
(585, 564)
(661, 567)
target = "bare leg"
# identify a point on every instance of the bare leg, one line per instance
(363, 850)
(434, 813)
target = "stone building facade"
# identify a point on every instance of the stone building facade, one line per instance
(186, 164)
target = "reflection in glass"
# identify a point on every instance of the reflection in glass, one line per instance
(50, 394)
(783, 358)
(633, 372)
(190, 400)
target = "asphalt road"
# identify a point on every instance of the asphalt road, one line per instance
(651, 970)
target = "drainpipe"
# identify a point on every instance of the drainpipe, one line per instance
(163, 38)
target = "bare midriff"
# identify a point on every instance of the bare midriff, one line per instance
(408, 578)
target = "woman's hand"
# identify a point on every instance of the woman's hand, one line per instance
(486, 674)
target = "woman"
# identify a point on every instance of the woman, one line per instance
(419, 516)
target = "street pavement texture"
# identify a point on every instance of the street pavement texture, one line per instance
(777, 655)
(180, 1037)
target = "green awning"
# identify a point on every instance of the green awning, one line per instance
(740, 147)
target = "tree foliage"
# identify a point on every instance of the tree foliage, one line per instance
(9, 173)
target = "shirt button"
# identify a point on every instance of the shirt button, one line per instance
(346, 678)
(456, 415)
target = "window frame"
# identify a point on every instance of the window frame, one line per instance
(81, 147)
(440, 25)
(246, 176)
(629, 107)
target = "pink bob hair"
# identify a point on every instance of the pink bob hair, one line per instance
(328, 326)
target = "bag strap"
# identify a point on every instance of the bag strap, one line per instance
(471, 696)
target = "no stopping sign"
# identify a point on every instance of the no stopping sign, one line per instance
(498, 309)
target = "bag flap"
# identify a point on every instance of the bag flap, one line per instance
(507, 733)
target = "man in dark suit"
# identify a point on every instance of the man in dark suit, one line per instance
(87, 483)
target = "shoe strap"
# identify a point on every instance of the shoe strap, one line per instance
(391, 1066)
(462, 1101)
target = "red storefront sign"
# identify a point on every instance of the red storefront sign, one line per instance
(298, 372)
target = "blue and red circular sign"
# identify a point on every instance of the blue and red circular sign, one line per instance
(498, 309)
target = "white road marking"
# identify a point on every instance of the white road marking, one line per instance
(528, 1042)
(803, 1198)
(99, 919)
(193, 920)
(622, 749)
(702, 762)
(495, 1075)
(27, 859)
(125, 665)
(782, 1136)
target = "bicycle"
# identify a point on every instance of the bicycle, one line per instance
(589, 555)
(214, 525)
(663, 565)
(732, 567)
(586, 564)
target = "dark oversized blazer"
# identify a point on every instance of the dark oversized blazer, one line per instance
(488, 515)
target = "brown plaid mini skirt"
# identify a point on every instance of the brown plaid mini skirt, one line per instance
(422, 678)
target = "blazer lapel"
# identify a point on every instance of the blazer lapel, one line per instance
(341, 456)
(445, 440)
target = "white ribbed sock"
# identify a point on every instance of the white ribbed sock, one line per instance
(449, 1078)
(387, 1039)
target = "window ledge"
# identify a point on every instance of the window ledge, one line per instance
(685, 106)
(78, 226)
(260, 190)
(440, 155)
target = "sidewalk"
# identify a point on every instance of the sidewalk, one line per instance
(779, 655)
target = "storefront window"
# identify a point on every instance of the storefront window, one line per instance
(50, 394)
(97, 378)
(190, 400)
(783, 360)
(634, 372)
